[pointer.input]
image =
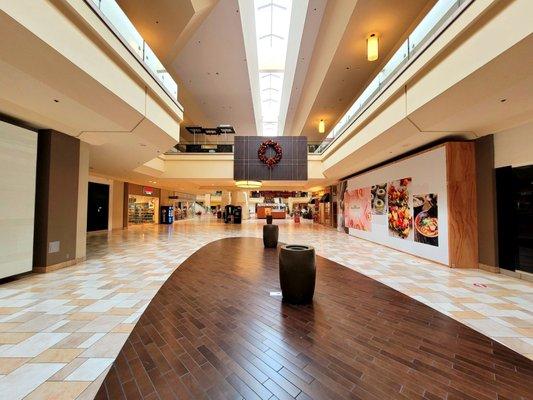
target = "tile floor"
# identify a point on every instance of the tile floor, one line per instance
(59, 332)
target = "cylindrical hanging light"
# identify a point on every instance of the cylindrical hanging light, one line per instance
(321, 126)
(248, 184)
(372, 47)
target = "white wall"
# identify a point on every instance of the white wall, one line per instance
(18, 157)
(428, 173)
(514, 147)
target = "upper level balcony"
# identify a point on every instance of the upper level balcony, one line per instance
(115, 18)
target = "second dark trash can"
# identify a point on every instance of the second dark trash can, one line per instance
(297, 273)
(270, 236)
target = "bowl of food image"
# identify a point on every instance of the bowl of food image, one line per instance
(427, 225)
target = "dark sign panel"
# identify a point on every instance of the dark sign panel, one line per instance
(211, 131)
(195, 130)
(291, 167)
(225, 129)
(220, 130)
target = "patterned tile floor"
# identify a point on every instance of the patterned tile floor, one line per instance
(59, 332)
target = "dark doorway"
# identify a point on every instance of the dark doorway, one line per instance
(97, 207)
(515, 217)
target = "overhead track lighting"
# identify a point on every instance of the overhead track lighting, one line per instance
(372, 47)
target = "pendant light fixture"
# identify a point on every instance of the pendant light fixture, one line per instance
(321, 126)
(248, 184)
(372, 47)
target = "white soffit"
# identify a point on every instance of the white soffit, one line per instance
(272, 31)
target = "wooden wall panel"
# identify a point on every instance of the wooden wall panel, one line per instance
(462, 204)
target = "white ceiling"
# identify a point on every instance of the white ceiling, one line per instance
(218, 46)
(212, 66)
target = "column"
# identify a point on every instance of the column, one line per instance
(56, 201)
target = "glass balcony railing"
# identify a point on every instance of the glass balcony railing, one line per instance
(437, 19)
(119, 23)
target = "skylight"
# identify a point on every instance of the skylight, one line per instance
(272, 32)
(272, 22)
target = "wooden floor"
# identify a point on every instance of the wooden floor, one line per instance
(214, 332)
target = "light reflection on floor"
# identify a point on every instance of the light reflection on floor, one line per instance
(60, 331)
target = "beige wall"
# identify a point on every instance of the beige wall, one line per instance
(18, 154)
(165, 201)
(514, 147)
(486, 202)
(83, 189)
(117, 217)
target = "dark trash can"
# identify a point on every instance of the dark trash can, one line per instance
(297, 273)
(237, 215)
(270, 236)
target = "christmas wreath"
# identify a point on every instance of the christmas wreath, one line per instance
(270, 161)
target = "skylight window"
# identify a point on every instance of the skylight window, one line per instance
(272, 22)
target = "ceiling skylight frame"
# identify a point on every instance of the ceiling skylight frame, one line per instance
(277, 28)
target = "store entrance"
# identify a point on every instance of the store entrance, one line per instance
(515, 217)
(142, 209)
(97, 207)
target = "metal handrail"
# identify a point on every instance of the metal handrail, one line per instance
(412, 49)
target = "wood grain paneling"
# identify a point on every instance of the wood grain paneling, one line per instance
(462, 204)
(214, 332)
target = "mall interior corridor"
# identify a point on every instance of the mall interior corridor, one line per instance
(266, 199)
(64, 329)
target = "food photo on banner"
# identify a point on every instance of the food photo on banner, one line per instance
(379, 199)
(426, 221)
(357, 209)
(399, 209)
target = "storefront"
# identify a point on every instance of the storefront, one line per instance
(324, 212)
(141, 204)
(276, 210)
(424, 205)
(184, 204)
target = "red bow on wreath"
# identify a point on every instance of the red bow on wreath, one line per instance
(269, 161)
